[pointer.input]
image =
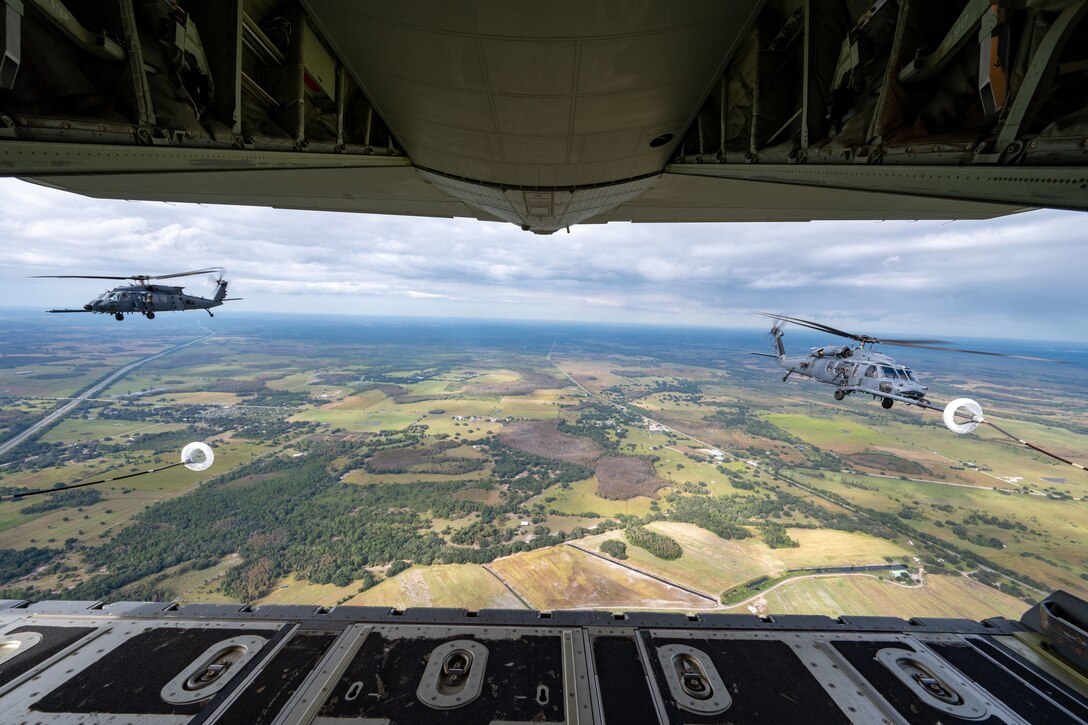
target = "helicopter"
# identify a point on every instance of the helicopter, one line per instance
(145, 298)
(859, 369)
(864, 370)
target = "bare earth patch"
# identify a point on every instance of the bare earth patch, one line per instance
(543, 438)
(557, 576)
(624, 477)
(620, 477)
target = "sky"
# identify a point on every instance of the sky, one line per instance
(1020, 276)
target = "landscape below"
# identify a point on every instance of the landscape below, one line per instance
(548, 466)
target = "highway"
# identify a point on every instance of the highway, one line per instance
(55, 415)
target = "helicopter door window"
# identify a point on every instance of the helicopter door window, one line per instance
(871, 371)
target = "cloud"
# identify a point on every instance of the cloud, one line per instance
(1007, 276)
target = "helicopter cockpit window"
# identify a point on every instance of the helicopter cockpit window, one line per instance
(907, 373)
(889, 372)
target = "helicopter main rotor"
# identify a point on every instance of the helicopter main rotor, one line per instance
(870, 340)
(138, 278)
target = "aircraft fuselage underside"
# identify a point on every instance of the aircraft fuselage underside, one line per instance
(552, 114)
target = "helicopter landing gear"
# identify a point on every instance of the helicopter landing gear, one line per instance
(209, 312)
(150, 315)
(840, 394)
(118, 316)
(887, 403)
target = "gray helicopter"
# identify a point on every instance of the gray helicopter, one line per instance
(144, 298)
(859, 369)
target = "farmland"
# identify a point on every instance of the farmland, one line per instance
(481, 466)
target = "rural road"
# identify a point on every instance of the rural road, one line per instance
(64, 410)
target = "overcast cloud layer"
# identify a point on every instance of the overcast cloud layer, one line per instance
(1019, 276)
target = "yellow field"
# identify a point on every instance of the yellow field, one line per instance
(561, 577)
(860, 595)
(451, 585)
(712, 565)
(358, 402)
(294, 591)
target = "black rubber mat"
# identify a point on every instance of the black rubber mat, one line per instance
(767, 682)
(278, 681)
(862, 655)
(390, 671)
(1011, 690)
(54, 639)
(130, 678)
(625, 697)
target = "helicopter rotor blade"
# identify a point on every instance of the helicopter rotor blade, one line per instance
(919, 344)
(181, 274)
(75, 276)
(137, 277)
(814, 326)
(907, 343)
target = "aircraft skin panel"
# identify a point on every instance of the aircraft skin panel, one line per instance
(550, 114)
(152, 663)
(403, 191)
(510, 95)
(681, 197)
(399, 191)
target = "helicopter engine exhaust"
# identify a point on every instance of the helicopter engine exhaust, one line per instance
(972, 408)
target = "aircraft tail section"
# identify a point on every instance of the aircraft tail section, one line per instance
(779, 348)
(221, 291)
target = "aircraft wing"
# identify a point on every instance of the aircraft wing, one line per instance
(561, 113)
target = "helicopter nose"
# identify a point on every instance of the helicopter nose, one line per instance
(88, 307)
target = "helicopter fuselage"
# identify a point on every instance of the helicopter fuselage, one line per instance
(852, 370)
(147, 299)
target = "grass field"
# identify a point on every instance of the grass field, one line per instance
(837, 434)
(452, 585)
(559, 577)
(50, 529)
(77, 430)
(360, 476)
(366, 420)
(294, 591)
(582, 498)
(711, 564)
(1062, 525)
(860, 595)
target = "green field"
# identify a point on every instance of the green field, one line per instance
(863, 595)
(582, 497)
(316, 405)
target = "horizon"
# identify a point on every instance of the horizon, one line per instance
(1000, 277)
(170, 321)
